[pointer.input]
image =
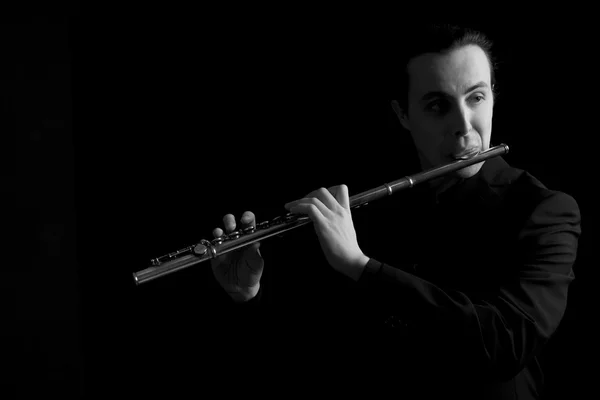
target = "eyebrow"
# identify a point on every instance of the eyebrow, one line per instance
(438, 93)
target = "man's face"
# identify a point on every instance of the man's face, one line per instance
(450, 106)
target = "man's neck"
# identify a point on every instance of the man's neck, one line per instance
(442, 184)
(438, 185)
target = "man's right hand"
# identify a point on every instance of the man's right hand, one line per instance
(239, 271)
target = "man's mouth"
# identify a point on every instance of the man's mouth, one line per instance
(465, 156)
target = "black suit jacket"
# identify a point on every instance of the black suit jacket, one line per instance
(459, 297)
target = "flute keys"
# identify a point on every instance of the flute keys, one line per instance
(171, 256)
(204, 247)
(294, 217)
(200, 249)
(290, 217)
(249, 229)
(263, 225)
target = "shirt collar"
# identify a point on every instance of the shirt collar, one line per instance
(483, 187)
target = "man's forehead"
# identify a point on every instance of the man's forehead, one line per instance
(455, 71)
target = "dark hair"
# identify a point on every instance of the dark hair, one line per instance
(435, 38)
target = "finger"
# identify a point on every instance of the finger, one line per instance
(217, 232)
(248, 219)
(313, 208)
(305, 201)
(229, 223)
(326, 198)
(321, 194)
(340, 193)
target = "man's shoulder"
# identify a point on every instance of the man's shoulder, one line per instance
(523, 193)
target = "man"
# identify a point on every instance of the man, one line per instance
(463, 305)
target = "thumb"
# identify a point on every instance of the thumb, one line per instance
(252, 254)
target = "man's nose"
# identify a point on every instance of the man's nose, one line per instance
(461, 124)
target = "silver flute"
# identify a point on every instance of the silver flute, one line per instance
(206, 250)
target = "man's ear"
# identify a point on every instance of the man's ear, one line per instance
(401, 114)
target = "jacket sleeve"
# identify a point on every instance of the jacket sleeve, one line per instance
(496, 334)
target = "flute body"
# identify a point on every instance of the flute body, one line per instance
(206, 250)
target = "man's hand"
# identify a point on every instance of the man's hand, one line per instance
(239, 271)
(329, 209)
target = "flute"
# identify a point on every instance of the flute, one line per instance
(206, 250)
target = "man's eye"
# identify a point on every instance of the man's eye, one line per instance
(477, 99)
(435, 106)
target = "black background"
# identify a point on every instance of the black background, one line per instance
(128, 137)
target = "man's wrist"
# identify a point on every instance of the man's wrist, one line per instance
(358, 267)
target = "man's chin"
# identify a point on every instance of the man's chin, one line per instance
(469, 171)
